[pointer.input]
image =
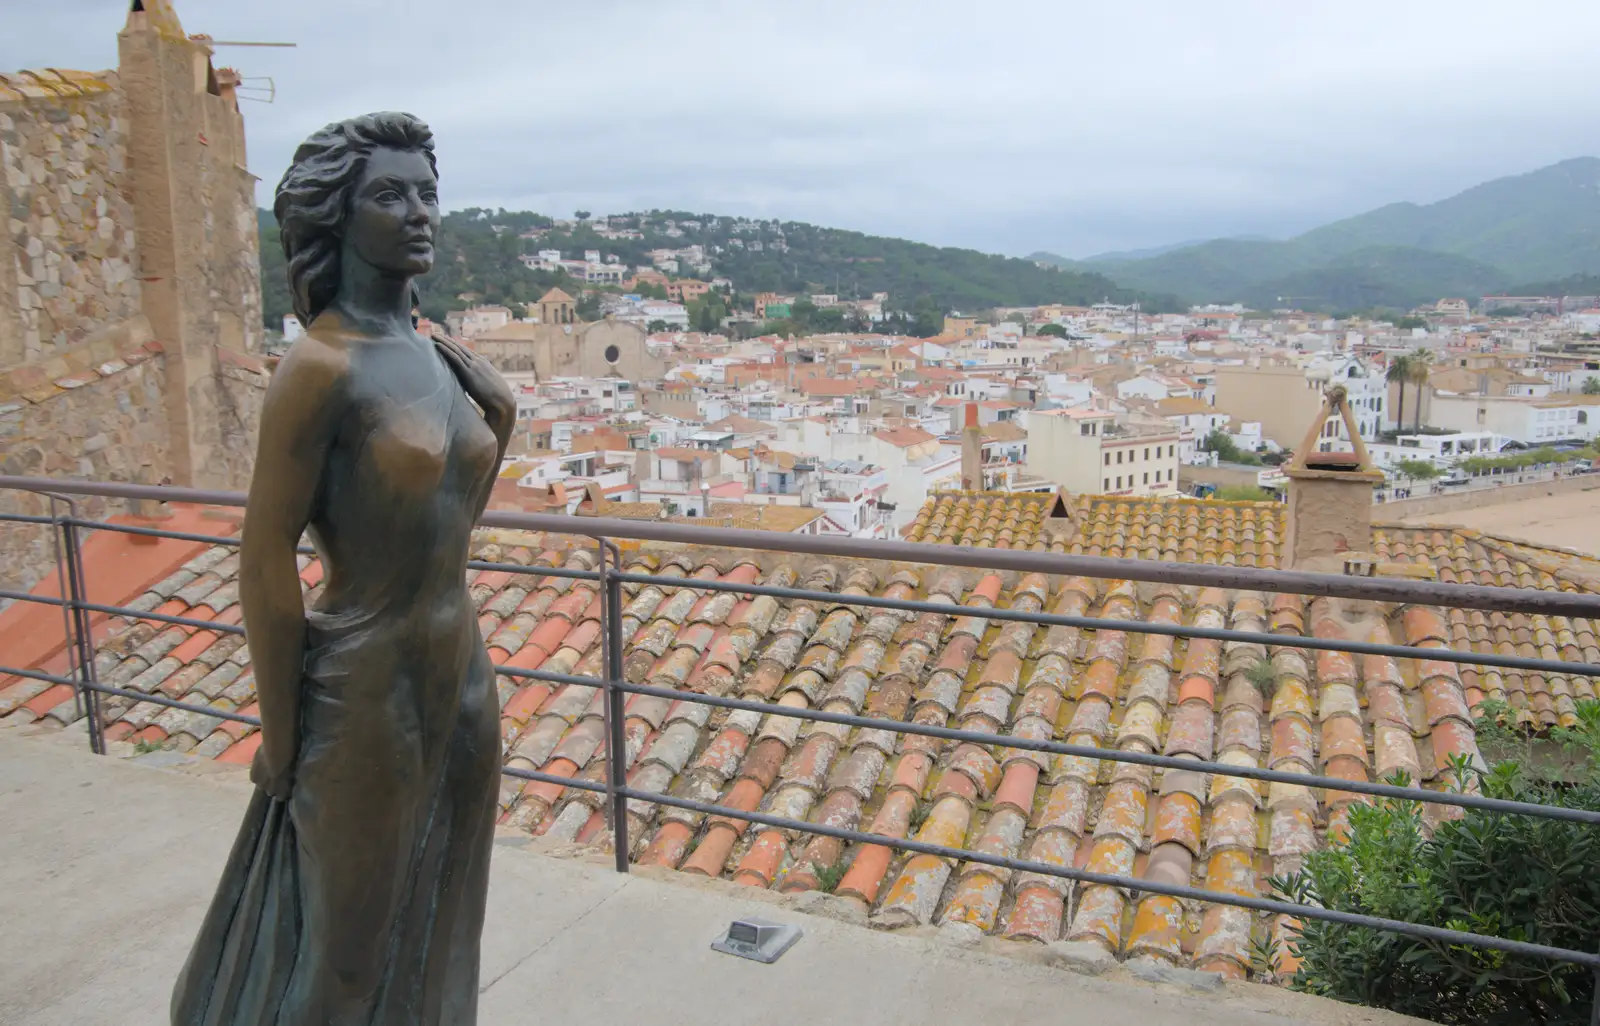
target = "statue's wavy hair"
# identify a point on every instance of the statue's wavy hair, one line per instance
(313, 199)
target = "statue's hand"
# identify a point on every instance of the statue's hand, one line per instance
(480, 380)
(277, 782)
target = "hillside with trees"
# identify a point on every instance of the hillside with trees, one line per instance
(479, 251)
(1542, 227)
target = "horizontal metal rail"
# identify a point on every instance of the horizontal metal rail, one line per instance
(148, 614)
(1447, 655)
(1275, 640)
(138, 696)
(234, 540)
(1004, 741)
(1295, 582)
(1465, 801)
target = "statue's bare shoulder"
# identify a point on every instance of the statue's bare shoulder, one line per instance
(315, 368)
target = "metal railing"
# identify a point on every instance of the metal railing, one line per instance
(610, 577)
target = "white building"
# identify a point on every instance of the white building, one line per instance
(1531, 421)
(1089, 451)
(1194, 421)
(1442, 451)
(912, 461)
(477, 320)
(1366, 388)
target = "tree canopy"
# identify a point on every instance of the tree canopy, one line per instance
(479, 255)
(1227, 451)
(1418, 470)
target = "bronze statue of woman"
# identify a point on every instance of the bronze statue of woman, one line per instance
(355, 891)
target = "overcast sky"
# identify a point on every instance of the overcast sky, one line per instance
(1005, 125)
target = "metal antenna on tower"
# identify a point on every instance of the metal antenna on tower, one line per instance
(266, 90)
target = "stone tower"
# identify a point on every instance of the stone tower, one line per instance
(195, 220)
(130, 296)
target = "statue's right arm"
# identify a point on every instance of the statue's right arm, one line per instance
(299, 421)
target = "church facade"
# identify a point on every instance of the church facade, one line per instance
(553, 343)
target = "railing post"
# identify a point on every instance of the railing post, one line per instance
(80, 637)
(616, 743)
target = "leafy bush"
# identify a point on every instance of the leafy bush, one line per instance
(1510, 876)
(1243, 493)
(1221, 443)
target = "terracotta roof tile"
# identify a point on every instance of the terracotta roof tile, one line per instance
(1356, 718)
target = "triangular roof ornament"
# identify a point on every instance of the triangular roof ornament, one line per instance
(1335, 402)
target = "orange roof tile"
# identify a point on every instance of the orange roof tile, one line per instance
(1359, 718)
(903, 437)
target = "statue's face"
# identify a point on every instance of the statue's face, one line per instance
(394, 212)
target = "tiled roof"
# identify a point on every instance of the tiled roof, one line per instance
(54, 83)
(1462, 556)
(903, 437)
(1176, 530)
(1353, 717)
(1001, 520)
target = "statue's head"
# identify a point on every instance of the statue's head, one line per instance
(364, 189)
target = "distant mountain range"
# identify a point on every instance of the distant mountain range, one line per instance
(1124, 255)
(1542, 227)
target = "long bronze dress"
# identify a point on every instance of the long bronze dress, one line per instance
(360, 898)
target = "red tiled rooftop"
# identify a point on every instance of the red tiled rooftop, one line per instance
(904, 437)
(1358, 718)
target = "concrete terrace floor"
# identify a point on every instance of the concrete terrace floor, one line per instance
(109, 863)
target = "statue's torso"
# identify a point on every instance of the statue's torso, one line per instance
(409, 461)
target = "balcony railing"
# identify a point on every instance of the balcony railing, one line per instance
(610, 577)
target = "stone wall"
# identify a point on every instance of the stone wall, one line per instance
(194, 208)
(1477, 498)
(130, 304)
(100, 417)
(67, 260)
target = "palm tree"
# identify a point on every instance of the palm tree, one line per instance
(1399, 373)
(1419, 366)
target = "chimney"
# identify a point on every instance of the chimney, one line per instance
(1330, 495)
(972, 452)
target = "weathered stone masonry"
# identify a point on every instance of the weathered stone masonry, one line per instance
(130, 308)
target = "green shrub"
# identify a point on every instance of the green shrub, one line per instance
(1509, 876)
(1242, 493)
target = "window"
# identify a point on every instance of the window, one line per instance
(1119, 481)
(1107, 485)
(1119, 455)
(1147, 477)
(1172, 450)
(1147, 452)
(1108, 459)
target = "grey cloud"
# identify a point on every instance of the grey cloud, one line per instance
(1008, 126)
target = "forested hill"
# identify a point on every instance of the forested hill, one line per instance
(1543, 226)
(479, 250)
